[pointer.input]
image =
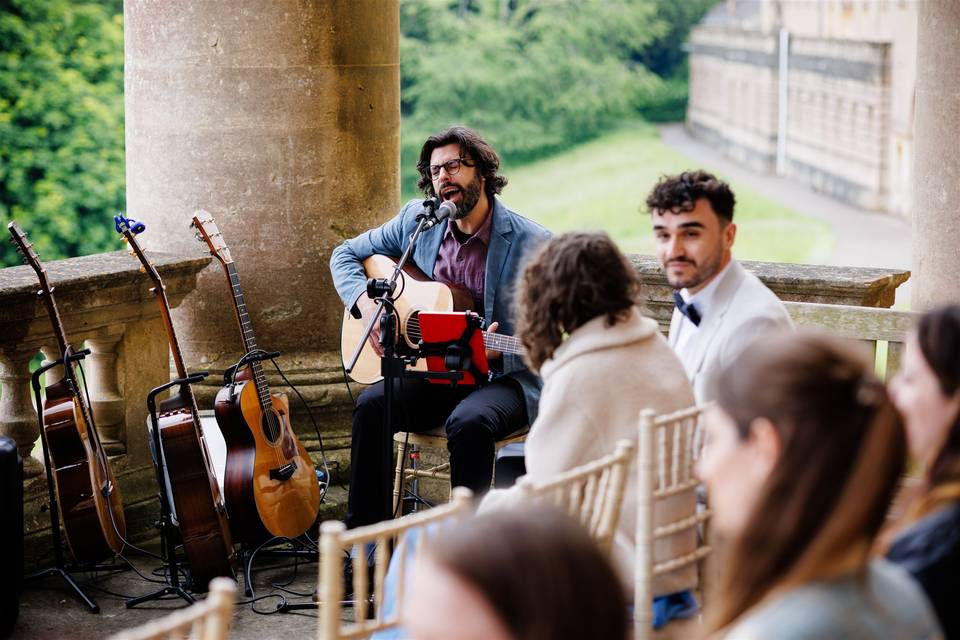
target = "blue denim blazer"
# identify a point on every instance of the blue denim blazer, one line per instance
(512, 238)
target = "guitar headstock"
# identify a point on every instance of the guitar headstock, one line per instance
(208, 232)
(129, 228)
(25, 249)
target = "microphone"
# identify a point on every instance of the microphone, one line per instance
(442, 212)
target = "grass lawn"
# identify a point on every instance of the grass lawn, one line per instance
(602, 185)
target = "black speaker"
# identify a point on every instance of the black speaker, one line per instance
(11, 532)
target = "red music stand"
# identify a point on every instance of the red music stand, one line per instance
(453, 341)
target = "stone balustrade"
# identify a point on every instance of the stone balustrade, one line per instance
(105, 304)
(821, 284)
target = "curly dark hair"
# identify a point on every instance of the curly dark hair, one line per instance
(473, 146)
(680, 193)
(572, 279)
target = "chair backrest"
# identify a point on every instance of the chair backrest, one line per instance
(336, 542)
(662, 475)
(208, 619)
(592, 493)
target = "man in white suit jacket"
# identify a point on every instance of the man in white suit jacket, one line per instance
(720, 306)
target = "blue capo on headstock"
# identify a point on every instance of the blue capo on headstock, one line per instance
(122, 224)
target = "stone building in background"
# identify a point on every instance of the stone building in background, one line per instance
(835, 110)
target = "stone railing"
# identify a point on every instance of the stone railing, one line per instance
(105, 304)
(851, 302)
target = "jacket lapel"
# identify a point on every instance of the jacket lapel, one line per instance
(720, 304)
(500, 242)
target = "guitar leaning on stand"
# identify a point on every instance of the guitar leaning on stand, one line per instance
(88, 498)
(270, 485)
(197, 503)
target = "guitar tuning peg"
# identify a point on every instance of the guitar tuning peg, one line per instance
(142, 269)
(198, 236)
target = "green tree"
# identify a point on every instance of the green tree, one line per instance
(534, 77)
(61, 123)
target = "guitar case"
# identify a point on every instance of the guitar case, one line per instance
(11, 533)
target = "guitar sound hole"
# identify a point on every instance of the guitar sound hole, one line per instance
(412, 333)
(270, 423)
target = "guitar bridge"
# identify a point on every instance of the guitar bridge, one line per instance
(285, 472)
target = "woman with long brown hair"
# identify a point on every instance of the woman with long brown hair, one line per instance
(927, 391)
(804, 452)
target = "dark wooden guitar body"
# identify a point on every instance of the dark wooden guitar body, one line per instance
(93, 525)
(200, 510)
(88, 498)
(200, 515)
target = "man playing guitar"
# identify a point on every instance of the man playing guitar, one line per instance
(481, 247)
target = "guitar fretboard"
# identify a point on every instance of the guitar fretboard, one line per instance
(503, 343)
(249, 341)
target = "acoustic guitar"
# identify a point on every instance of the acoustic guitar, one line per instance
(270, 484)
(417, 293)
(88, 497)
(200, 510)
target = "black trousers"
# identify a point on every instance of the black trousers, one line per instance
(474, 419)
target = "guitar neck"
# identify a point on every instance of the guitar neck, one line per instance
(502, 343)
(246, 331)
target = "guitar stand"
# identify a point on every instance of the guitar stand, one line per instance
(168, 531)
(60, 568)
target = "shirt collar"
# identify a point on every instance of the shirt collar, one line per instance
(482, 234)
(704, 297)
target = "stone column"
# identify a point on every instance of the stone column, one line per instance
(18, 417)
(281, 119)
(936, 171)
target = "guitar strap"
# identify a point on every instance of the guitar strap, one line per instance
(458, 354)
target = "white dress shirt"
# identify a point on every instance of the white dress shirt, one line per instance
(681, 338)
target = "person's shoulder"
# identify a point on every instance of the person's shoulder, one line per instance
(524, 224)
(849, 607)
(755, 301)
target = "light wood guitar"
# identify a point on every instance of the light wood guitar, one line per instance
(269, 483)
(417, 293)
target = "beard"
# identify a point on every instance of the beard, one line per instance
(702, 273)
(469, 197)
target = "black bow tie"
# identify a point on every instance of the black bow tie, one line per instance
(687, 308)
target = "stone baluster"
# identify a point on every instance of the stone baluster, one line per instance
(18, 417)
(104, 388)
(51, 353)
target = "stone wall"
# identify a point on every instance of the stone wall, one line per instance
(850, 105)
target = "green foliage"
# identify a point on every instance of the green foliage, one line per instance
(537, 77)
(603, 184)
(61, 123)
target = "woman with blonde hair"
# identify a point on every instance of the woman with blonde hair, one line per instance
(927, 391)
(804, 452)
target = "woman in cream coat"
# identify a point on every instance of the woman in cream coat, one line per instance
(602, 362)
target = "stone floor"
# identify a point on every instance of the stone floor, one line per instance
(48, 609)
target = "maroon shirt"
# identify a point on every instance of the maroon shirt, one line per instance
(462, 259)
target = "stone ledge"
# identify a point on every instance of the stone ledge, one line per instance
(823, 284)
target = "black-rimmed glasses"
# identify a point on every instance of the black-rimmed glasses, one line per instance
(452, 166)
